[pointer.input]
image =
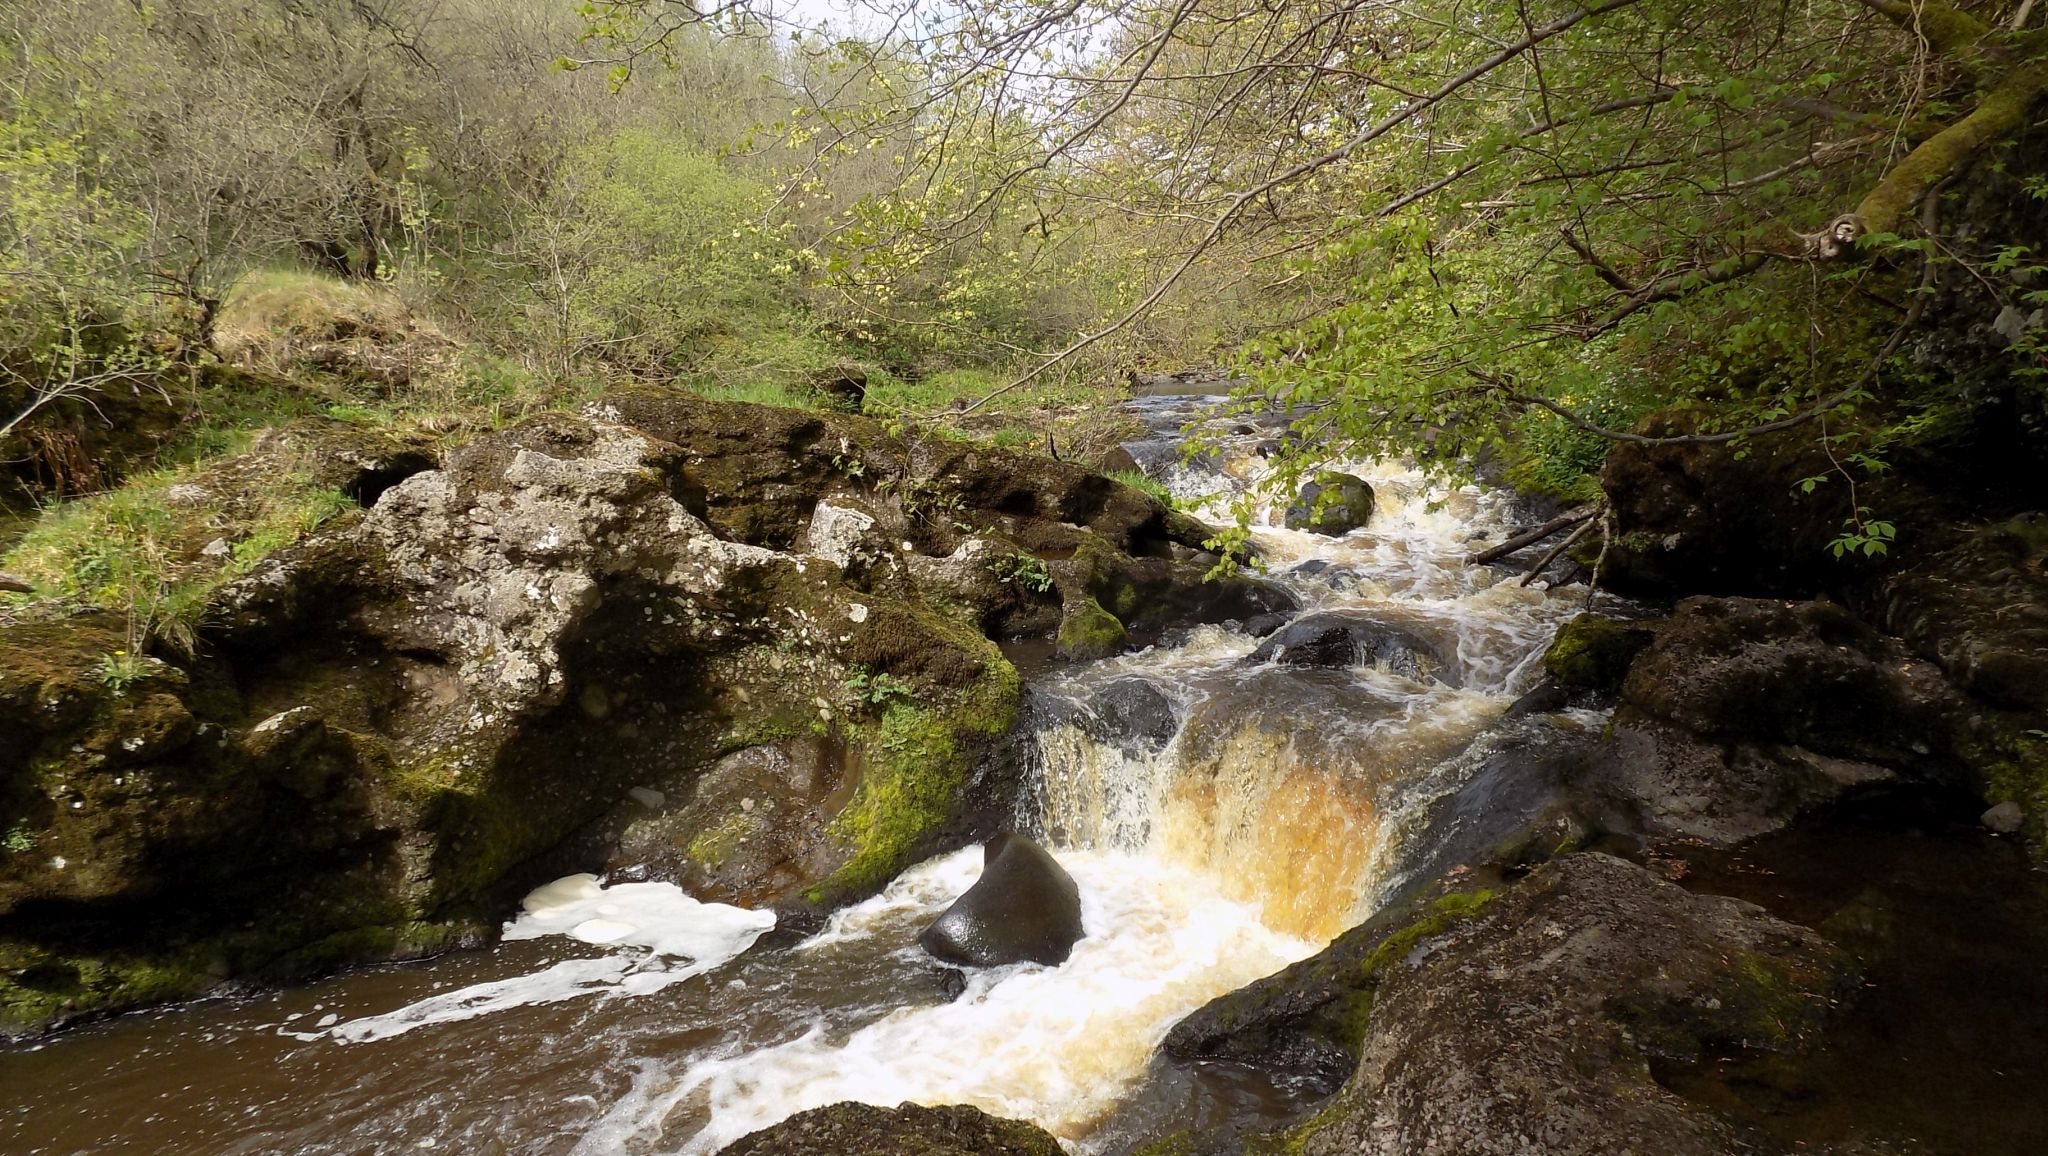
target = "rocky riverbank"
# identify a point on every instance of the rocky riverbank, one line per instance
(747, 649)
(1534, 993)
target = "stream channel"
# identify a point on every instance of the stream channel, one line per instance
(1223, 814)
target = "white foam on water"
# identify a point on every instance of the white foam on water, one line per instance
(1055, 1045)
(667, 937)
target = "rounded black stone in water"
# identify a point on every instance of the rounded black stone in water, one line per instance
(1024, 907)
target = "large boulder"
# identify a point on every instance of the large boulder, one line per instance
(1129, 712)
(1536, 1020)
(1980, 610)
(1592, 652)
(1741, 713)
(906, 1130)
(1339, 639)
(1024, 908)
(1334, 503)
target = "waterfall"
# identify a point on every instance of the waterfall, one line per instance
(1223, 810)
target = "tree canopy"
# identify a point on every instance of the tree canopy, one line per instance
(1459, 226)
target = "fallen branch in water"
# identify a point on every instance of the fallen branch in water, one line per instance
(1600, 563)
(1585, 527)
(1534, 535)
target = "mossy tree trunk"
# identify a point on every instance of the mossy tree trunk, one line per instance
(2011, 73)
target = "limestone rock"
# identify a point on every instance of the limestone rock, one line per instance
(843, 535)
(667, 637)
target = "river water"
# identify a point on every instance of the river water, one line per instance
(1223, 814)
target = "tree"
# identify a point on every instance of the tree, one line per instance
(1489, 213)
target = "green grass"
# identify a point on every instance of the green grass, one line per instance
(142, 550)
(785, 394)
(944, 390)
(1138, 481)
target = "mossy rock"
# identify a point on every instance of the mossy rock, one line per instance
(1306, 1023)
(1592, 652)
(1334, 503)
(1089, 631)
(905, 1130)
(913, 766)
(40, 986)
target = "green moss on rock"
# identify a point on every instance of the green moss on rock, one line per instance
(2011, 765)
(1593, 653)
(913, 764)
(39, 987)
(1444, 913)
(1089, 631)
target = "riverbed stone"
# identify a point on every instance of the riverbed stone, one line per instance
(1344, 638)
(1024, 908)
(1333, 503)
(905, 1130)
(2005, 818)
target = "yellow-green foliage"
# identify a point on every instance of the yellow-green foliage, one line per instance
(935, 392)
(142, 550)
(274, 313)
(1138, 481)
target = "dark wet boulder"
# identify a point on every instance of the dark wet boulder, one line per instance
(1024, 908)
(1592, 652)
(1334, 503)
(1742, 713)
(1261, 625)
(1980, 611)
(1128, 711)
(1808, 673)
(1719, 519)
(1344, 639)
(848, 1129)
(1536, 1020)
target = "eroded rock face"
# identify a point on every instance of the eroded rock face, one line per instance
(1024, 908)
(1534, 1022)
(905, 1130)
(1704, 519)
(1743, 712)
(1980, 610)
(756, 660)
